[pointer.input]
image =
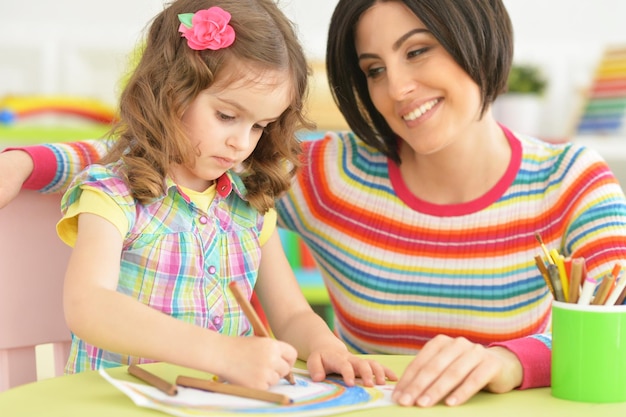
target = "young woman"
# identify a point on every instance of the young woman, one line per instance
(423, 219)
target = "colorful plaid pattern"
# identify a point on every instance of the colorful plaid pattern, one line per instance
(178, 258)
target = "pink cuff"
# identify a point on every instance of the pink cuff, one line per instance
(536, 359)
(44, 170)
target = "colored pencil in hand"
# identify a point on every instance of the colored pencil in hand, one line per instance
(255, 321)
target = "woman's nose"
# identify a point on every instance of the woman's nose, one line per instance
(401, 82)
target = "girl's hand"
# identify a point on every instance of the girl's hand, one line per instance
(15, 168)
(256, 362)
(323, 362)
(456, 369)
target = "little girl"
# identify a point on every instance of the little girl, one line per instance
(183, 205)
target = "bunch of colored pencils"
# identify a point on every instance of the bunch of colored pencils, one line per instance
(569, 282)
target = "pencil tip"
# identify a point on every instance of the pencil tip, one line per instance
(538, 237)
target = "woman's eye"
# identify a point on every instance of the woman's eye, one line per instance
(374, 72)
(416, 52)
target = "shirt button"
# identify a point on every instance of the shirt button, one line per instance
(203, 220)
(212, 270)
(217, 321)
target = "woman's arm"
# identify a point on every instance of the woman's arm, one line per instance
(46, 168)
(15, 167)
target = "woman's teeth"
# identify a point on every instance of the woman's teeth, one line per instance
(420, 110)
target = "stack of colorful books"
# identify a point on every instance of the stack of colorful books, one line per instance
(605, 110)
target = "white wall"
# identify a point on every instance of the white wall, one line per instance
(78, 46)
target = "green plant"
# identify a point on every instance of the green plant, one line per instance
(525, 78)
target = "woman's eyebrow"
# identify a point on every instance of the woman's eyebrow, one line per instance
(397, 44)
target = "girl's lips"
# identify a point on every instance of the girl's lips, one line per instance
(421, 110)
(224, 162)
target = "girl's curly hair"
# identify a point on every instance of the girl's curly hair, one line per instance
(170, 75)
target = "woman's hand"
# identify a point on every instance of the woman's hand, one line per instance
(323, 362)
(455, 369)
(15, 167)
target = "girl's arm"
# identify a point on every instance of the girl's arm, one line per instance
(292, 320)
(100, 315)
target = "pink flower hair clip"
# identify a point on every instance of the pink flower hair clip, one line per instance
(207, 29)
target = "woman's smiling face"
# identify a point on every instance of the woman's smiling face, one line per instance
(423, 94)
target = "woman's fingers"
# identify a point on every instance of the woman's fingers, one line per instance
(447, 368)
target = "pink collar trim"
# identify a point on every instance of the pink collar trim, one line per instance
(450, 210)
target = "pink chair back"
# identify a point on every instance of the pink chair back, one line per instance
(32, 267)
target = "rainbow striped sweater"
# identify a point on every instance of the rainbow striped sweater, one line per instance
(400, 271)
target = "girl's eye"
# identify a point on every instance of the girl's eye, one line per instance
(259, 127)
(224, 117)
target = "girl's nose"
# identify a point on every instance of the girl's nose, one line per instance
(239, 140)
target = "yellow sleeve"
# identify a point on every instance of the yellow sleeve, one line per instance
(269, 225)
(91, 201)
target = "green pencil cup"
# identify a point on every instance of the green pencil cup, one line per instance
(589, 353)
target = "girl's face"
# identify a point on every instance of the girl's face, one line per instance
(225, 123)
(423, 94)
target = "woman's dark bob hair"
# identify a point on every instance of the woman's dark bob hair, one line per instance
(476, 33)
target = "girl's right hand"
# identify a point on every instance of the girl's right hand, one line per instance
(15, 168)
(257, 362)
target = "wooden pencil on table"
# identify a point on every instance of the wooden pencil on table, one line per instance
(255, 321)
(153, 380)
(231, 389)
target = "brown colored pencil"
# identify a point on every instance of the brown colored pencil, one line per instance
(231, 389)
(578, 266)
(153, 380)
(257, 324)
(621, 297)
(544, 273)
(543, 247)
(603, 290)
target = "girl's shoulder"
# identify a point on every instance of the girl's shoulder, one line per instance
(110, 178)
